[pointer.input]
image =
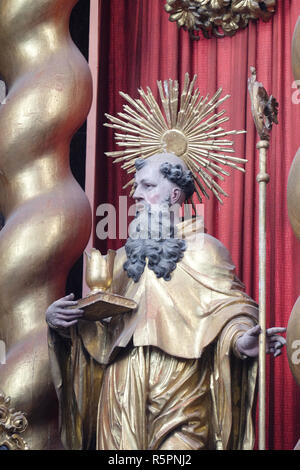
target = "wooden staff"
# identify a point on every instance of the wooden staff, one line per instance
(264, 110)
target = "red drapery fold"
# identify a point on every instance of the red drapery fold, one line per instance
(133, 45)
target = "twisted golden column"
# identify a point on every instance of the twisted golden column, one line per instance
(293, 203)
(47, 214)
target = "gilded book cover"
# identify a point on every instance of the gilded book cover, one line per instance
(103, 305)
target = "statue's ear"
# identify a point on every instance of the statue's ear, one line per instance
(176, 195)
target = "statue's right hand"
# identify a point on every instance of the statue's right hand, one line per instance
(58, 315)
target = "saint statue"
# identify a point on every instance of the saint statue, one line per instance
(178, 372)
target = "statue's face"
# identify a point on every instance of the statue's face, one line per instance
(152, 188)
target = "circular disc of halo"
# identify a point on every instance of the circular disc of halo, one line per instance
(174, 141)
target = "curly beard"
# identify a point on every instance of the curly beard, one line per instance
(152, 236)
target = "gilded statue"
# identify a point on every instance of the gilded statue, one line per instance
(174, 373)
(178, 371)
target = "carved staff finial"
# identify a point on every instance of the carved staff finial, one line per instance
(264, 107)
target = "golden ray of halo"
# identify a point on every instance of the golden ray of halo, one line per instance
(187, 125)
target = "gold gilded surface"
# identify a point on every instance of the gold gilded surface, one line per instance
(99, 303)
(187, 124)
(293, 195)
(218, 18)
(47, 215)
(99, 270)
(293, 341)
(296, 51)
(175, 141)
(166, 375)
(12, 424)
(293, 186)
(103, 304)
(293, 205)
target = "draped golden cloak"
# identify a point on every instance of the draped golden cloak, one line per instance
(195, 318)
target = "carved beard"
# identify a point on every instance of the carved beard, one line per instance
(152, 236)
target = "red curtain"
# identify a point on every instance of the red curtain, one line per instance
(138, 46)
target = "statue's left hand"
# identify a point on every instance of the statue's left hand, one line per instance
(247, 344)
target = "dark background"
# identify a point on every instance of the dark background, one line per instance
(79, 28)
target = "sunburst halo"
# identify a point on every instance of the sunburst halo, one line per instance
(187, 125)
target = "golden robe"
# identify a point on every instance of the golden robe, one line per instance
(166, 376)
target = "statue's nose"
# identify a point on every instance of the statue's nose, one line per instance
(137, 195)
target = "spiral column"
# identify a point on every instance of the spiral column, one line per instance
(47, 215)
(293, 203)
